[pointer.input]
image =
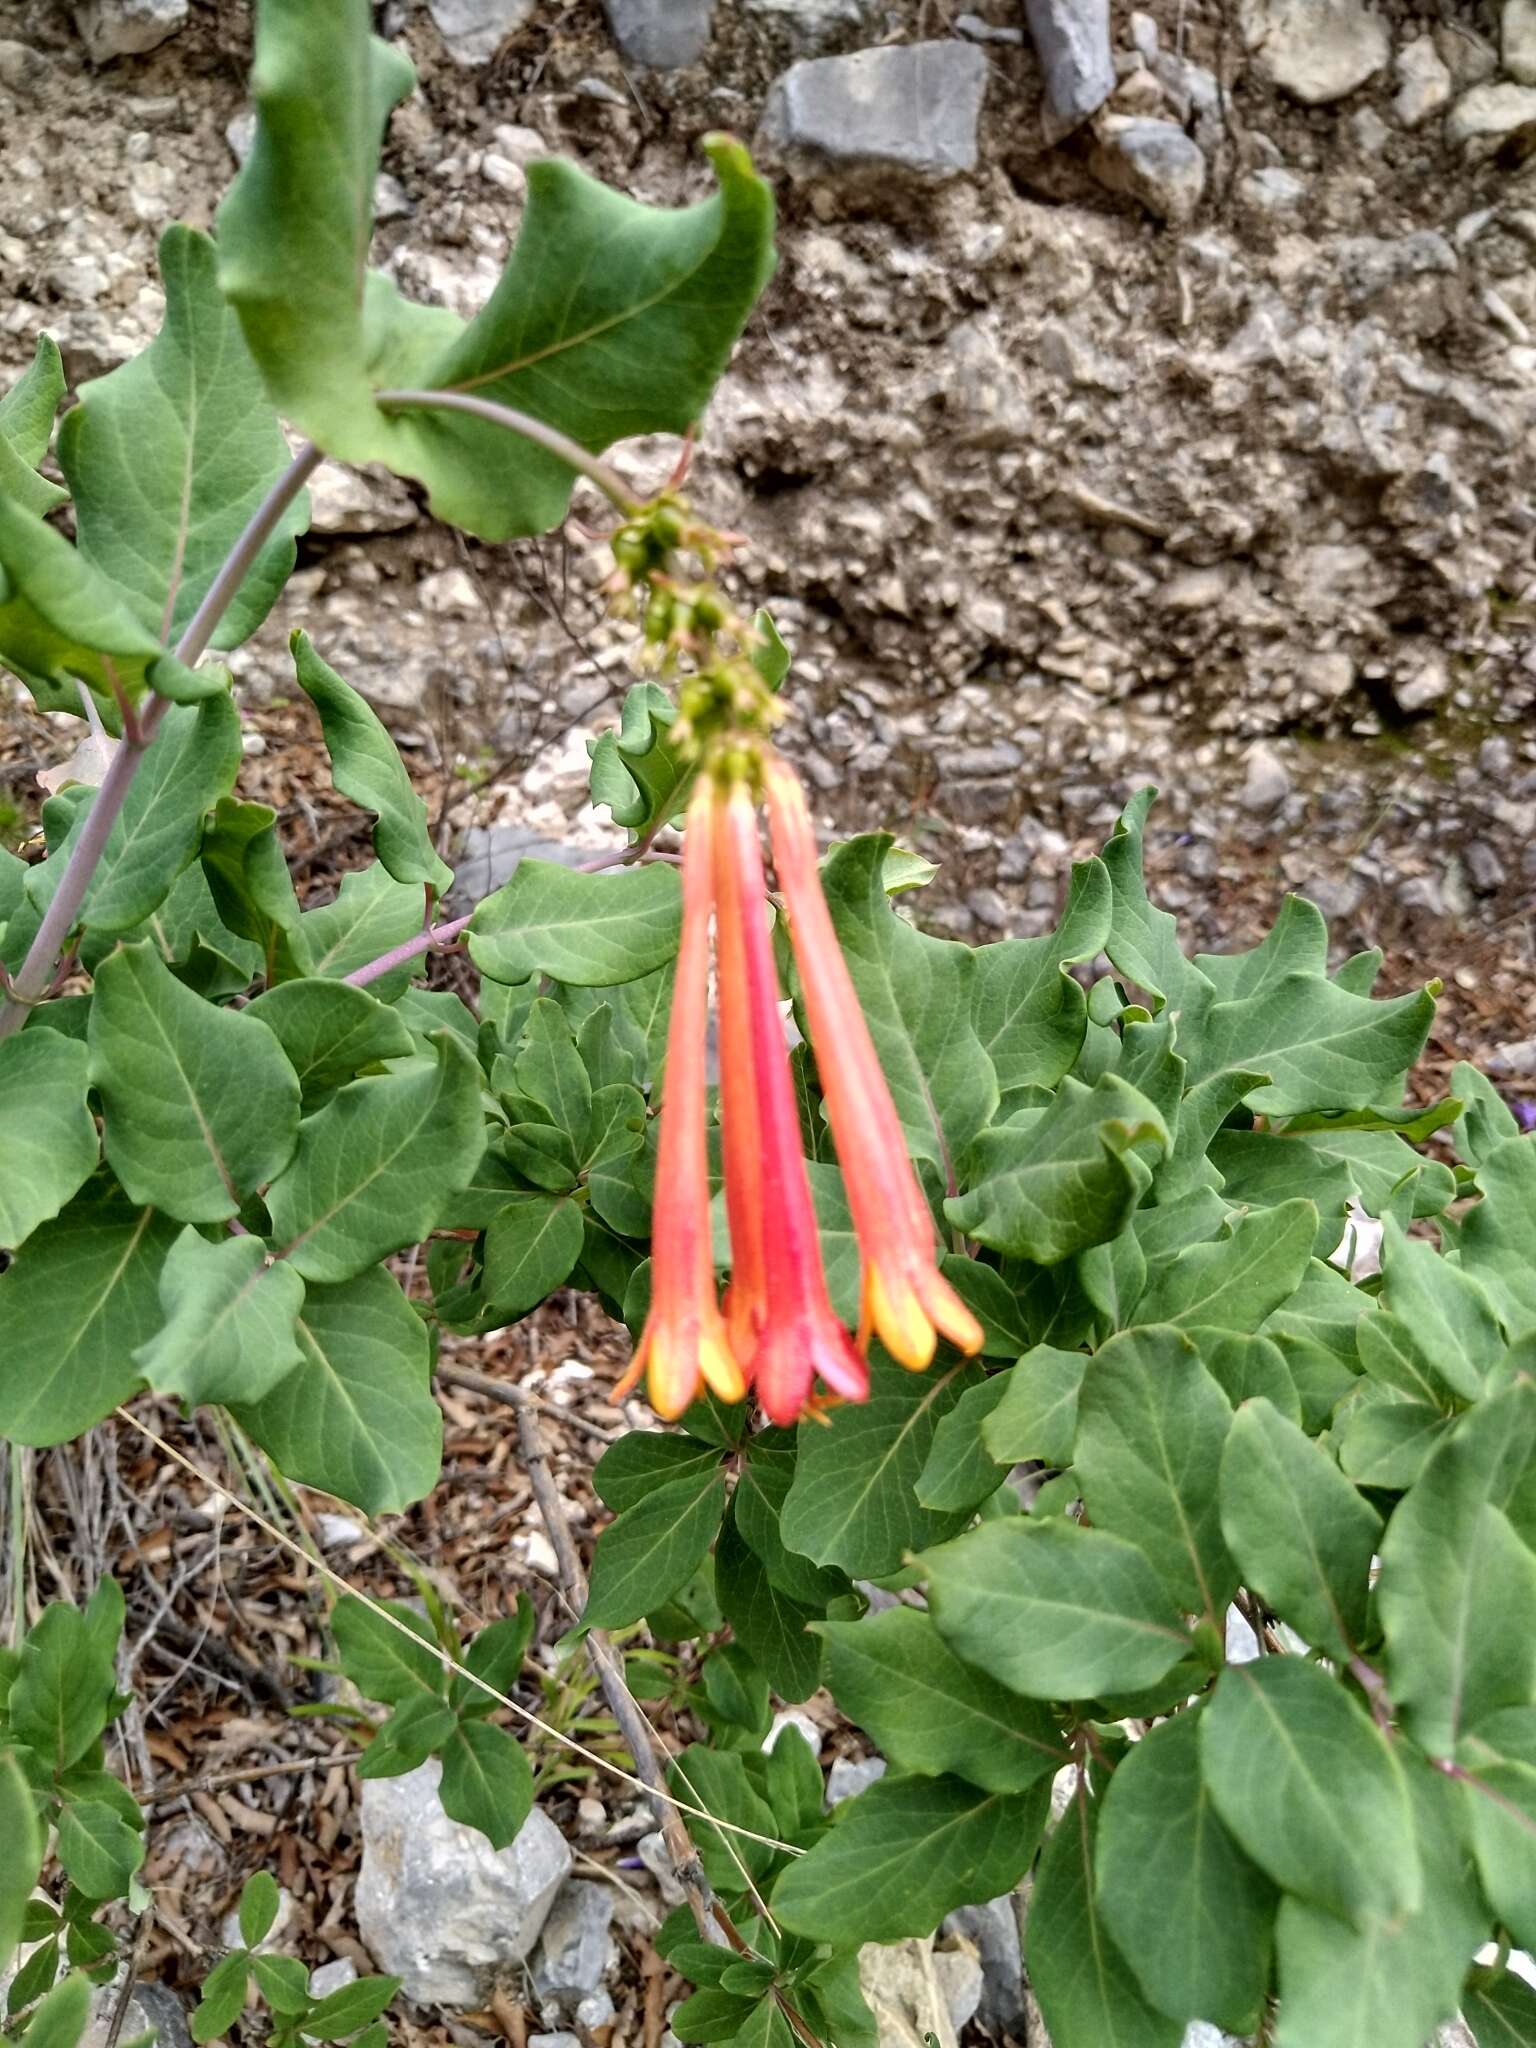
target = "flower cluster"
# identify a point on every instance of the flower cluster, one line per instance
(776, 1331)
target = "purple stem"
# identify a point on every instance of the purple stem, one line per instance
(35, 976)
(444, 934)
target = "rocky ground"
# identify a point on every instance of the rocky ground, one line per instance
(1149, 404)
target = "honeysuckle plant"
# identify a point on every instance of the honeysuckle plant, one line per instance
(1020, 1396)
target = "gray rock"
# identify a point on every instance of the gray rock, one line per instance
(1368, 265)
(994, 1931)
(1469, 59)
(665, 34)
(1201, 2034)
(1424, 84)
(333, 1976)
(918, 1993)
(1482, 117)
(657, 1858)
(1316, 50)
(1071, 39)
(490, 853)
(1273, 189)
(1485, 868)
(1517, 39)
(127, 28)
(1154, 162)
(811, 21)
(850, 1776)
(575, 1951)
(1267, 782)
(915, 106)
(440, 1908)
(554, 2041)
(474, 30)
(981, 31)
(229, 1928)
(596, 2010)
(803, 1725)
(149, 2006)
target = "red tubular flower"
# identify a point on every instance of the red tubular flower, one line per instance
(800, 1337)
(907, 1303)
(685, 1338)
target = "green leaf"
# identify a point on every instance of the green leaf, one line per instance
(1322, 1047)
(1183, 1903)
(385, 1662)
(1447, 1310)
(1054, 1610)
(190, 766)
(412, 1733)
(1395, 1359)
(229, 1328)
(496, 1655)
(904, 1853)
(1386, 1441)
(487, 1783)
(1310, 1788)
(223, 1997)
(371, 914)
(1066, 1179)
(98, 1850)
(1502, 2014)
(1030, 1012)
(717, 1782)
(1499, 1806)
(169, 456)
(735, 1690)
(642, 781)
(628, 341)
(1393, 1981)
(653, 1548)
(1151, 1423)
(1457, 1592)
(366, 766)
(1236, 1282)
(34, 1977)
(1037, 1415)
(593, 930)
(83, 1293)
(26, 427)
(960, 1471)
(551, 1072)
(328, 1029)
(259, 1901)
(916, 993)
(1498, 1234)
(1088, 1995)
(852, 1502)
(47, 1133)
(1297, 943)
(60, 2020)
(643, 1459)
(771, 1625)
(282, 1981)
(247, 874)
(60, 619)
(894, 1676)
(1302, 1536)
(349, 2007)
(373, 1168)
(19, 1829)
(1245, 1367)
(356, 1415)
(200, 1105)
(1486, 1119)
(1143, 941)
(530, 1248)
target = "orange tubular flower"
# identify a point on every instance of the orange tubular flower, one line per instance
(800, 1337)
(684, 1338)
(907, 1303)
(746, 1297)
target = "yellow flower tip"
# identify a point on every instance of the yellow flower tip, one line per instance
(955, 1322)
(635, 1369)
(718, 1364)
(899, 1320)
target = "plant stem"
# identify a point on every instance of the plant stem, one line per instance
(436, 935)
(35, 975)
(570, 452)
